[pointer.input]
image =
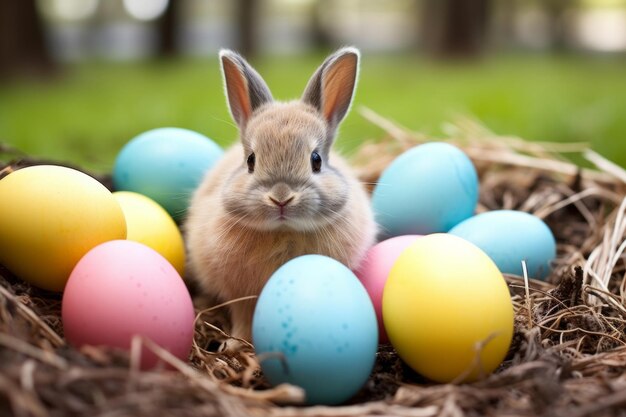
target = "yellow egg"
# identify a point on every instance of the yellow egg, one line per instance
(447, 309)
(51, 216)
(150, 224)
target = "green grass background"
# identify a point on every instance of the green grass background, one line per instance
(89, 111)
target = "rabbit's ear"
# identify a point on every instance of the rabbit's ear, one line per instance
(245, 89)
(331, 88)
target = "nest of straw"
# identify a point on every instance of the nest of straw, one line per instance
(568, 356)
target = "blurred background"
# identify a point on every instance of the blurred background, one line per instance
(79, 78)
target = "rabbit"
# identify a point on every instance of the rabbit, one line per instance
(280, 192)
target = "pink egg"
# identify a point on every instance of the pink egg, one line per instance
(120, 289)
(375, 268)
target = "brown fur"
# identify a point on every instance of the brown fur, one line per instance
(235, 237)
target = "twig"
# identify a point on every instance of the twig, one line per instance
(558, 167)
(529, 300)
(27, 349)
(400, 134)
(617, 399)
(33, 318)
(605, 165)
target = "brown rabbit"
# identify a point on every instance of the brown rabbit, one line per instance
(281, 192)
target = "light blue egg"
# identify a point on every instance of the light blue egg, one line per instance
(428, 189)
(509, 237)
(165, 164)
(316, 313)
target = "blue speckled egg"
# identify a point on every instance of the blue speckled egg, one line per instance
(509, 237)
(165, 164)
(316, 313)
(428, 189)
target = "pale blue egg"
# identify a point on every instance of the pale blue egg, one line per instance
(316, 314)
(428, 189)
(165, 164)
(509, 237)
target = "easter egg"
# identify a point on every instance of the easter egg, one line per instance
(509, 237)
(315, 314)
(447, 309)
(165, 164)
(429, 188)
(374, 270)
(120, 289)
(50, 216)
(148, 223)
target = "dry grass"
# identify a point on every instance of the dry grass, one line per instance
(568, 356)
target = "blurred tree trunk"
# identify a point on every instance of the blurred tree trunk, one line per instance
(247, 21)
(455, 28)
(508, 13)
(22, 40)
(169, 25)
(556, 11)
(321, 38)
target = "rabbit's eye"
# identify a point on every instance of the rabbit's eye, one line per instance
(251, 161)
(316, 162)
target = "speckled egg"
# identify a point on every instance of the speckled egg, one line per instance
(148, 223)
(50, 216)
(375, 268)
(428, 189)
(447, 309)
(510, 236)
(121, 289)
(315, 313)
(165, 164)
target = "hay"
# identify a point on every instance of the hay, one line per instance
(568, 356)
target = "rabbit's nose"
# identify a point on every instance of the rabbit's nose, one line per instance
(281, 194)
(283, 203)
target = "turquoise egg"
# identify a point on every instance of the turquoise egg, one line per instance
(428, 189)
(509, 237)
(165, 164)
(315, 313)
